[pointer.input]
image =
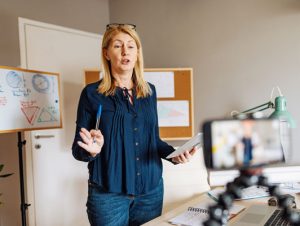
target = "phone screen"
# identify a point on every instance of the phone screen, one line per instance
(242, 143)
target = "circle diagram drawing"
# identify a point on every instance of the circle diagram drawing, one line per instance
(40, 83)
(14, 79)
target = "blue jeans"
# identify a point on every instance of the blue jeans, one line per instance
(111, 209)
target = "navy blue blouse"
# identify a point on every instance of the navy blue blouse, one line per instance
(130, 159)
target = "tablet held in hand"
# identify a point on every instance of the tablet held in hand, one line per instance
(193, 142)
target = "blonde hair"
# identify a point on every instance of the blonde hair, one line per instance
(107, 86)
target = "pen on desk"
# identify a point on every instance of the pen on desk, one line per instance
(98, 118)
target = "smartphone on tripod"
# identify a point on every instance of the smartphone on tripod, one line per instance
(233, 144)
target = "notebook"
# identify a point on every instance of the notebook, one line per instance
(195, 216)
(259, 214)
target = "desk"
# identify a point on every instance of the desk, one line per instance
(203, 198)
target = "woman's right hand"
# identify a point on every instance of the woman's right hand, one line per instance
(92, 141)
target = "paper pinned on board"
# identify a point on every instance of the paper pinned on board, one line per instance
(173, 113)
(163, 82)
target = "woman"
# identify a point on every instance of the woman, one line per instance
(124, 153)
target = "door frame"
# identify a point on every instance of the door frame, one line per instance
(23, 24)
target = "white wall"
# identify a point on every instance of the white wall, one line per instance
(184, 181)
(9, 187)
(239, 50)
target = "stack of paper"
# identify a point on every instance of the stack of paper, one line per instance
(290, 188)
(247, 193)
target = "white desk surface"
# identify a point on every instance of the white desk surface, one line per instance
(203, 198)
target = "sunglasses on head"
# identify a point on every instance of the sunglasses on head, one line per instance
(116, 25)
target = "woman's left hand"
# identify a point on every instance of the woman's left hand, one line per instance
(92, 141)
(185, 157)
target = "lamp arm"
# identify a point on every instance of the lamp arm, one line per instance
(265, 105)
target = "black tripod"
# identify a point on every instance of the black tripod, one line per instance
(218, 214)
(24, 205)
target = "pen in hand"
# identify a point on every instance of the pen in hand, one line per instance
(98, 119)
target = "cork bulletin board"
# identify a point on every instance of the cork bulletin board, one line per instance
(174, 88)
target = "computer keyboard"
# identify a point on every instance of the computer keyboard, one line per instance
(277, 219)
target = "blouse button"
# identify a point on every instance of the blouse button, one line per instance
(137, 159)
(135, 129)
(138, 174)
(136, 144)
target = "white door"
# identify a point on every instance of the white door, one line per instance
(56, 182)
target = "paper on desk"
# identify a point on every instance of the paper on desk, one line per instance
(247, 193)
(289, 188)
(195, 216)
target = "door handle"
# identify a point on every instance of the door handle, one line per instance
(43, 136)
(37, 146)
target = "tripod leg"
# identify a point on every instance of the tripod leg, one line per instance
(24, 206)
